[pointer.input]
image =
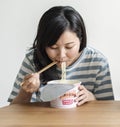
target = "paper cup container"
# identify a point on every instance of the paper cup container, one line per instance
(67, 100)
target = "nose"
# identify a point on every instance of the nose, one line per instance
(62, 54)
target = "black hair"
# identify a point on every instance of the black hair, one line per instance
(51, 26)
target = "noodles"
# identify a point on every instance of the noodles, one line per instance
(63, 67)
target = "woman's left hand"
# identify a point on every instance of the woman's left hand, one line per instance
(84, 95)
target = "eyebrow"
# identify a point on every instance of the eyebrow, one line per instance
(69, 43)
(65, 43)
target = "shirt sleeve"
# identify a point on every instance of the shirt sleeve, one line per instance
(27, 67)
(103, 87)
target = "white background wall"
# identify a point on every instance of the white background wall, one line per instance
(18, 25)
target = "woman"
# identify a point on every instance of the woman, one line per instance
(61, 37)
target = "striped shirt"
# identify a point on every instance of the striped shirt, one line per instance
(91, 68)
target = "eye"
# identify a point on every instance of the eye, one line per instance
(69, 47)
(53, 47)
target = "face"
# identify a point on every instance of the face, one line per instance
(66, 49)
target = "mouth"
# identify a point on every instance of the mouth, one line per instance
(59, 63)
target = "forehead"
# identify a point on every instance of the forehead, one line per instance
(67, 37)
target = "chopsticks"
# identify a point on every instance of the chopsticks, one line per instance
(47, 67)
(44, 69)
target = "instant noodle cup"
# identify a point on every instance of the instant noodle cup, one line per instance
(67, 99)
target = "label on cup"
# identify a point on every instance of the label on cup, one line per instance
(67, 100)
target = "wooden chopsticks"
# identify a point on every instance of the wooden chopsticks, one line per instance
(44, 69)
(47, 67)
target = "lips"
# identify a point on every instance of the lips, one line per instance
(59, 64)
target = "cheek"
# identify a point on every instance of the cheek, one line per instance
(74, 52)
(50, 53)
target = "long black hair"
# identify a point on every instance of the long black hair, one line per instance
(51, 26)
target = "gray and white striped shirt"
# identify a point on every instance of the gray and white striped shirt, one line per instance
(91, 68)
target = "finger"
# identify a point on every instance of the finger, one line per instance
(26, 85)
(30, 90)
(28, 76)
(80, 93)
(34, 75)
(31, 80)
(80, 98)
(31, 86)
(81, 102)
(81, 87)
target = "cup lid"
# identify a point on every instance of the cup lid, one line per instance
(53, 91)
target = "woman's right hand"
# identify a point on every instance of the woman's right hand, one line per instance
(31, 83)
